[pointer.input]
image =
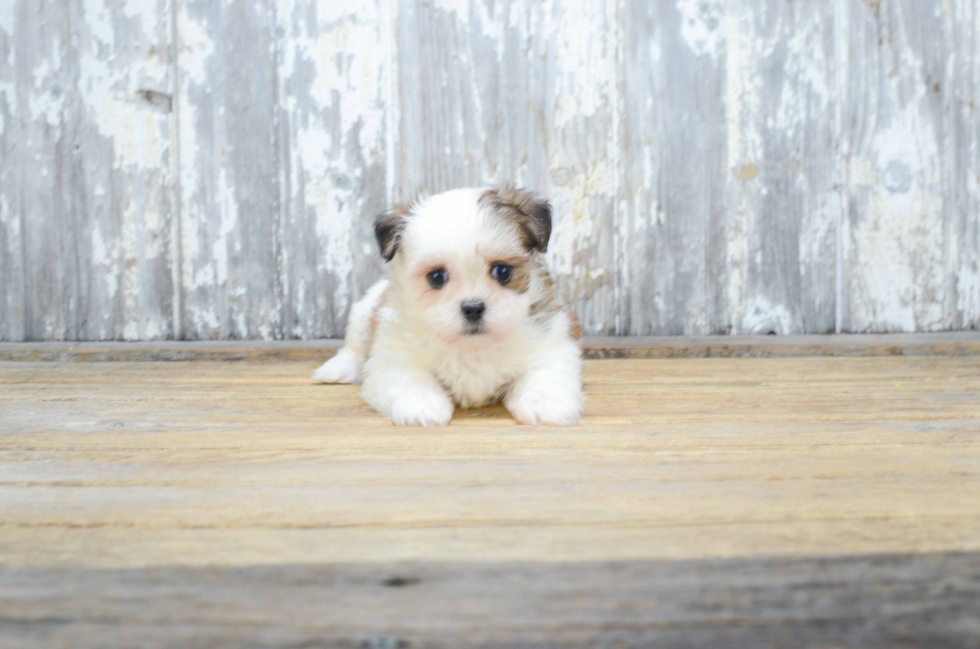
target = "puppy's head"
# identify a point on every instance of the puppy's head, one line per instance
(466, 264)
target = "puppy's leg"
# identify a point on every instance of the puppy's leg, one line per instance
(409, 396)
(550, 391)
(346, 366)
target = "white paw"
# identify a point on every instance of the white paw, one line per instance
(345, 367)
(422, 409)
(545, 405)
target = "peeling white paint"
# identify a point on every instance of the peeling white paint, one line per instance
(136, 131)
(110, 93)
(99, 22)
(701, 26)
(576, 220)
(760, 316)
(105, 257)
(816, 126)
(900, 236)
(44, 104)
(228, 223)
(341, 124)
(806, 70)
(347, 73)
(742, 89)
(8, 17)
(194, 54)
(196, 48)
(585, 79)
(459, 7)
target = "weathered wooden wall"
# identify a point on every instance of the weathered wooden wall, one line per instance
(209, 168)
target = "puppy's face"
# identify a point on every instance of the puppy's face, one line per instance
(464, 263)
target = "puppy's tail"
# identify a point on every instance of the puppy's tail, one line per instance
(346, 366)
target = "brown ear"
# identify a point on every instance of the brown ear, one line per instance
(530, 212)
(388, 229)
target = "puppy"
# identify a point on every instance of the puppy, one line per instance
(466, 316)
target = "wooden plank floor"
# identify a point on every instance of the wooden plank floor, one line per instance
(770, 502)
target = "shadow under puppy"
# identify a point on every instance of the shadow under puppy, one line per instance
(467, 315)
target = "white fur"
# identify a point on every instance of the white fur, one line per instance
(422, 362)
(345, 367)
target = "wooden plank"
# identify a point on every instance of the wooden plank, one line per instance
(961, 165)
(707, 243)
(703, 502)
(86, 195)
(578, 111)
(334, 105)
(964, 343)
(230, 186)
(13, 136)
(777, 273)
(672, 186)
(711, 164)
(39, 251)
(893, 60)
(867, 601)
(121, 176)
(195, 463)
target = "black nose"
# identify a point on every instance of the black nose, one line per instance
(473, 311)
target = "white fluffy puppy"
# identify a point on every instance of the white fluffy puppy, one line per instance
(467, 315)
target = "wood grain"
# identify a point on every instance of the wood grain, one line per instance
(229, 176)
(335, 65)
(778, 273)
(701, 502)
(965, 343)
(892, 126)
(34, 112)
(208, 462)
(874, 601)
(672, 201)
(961, 166)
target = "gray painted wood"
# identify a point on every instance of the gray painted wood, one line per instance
(210, 169)
(39, 255)
(961, 171)
(227, 109)
(864, 602)
(673, 188)
(121, 207)
(85, 186)
(783, 203)
(334, 68)
(958, 343)
(892, 127)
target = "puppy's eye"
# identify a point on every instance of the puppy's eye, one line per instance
(437, 278)
(501, 273)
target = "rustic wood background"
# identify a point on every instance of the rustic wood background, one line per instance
(209, 169)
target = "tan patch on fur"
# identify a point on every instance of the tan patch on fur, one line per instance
(373, 324)
(520, 276)
(529, 213)
(547, 300)
(574, 328)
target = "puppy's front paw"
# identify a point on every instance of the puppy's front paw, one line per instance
(344, 367)
(422, 409)
(545, 405)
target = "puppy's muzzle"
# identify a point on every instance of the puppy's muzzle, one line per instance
(473, 311)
